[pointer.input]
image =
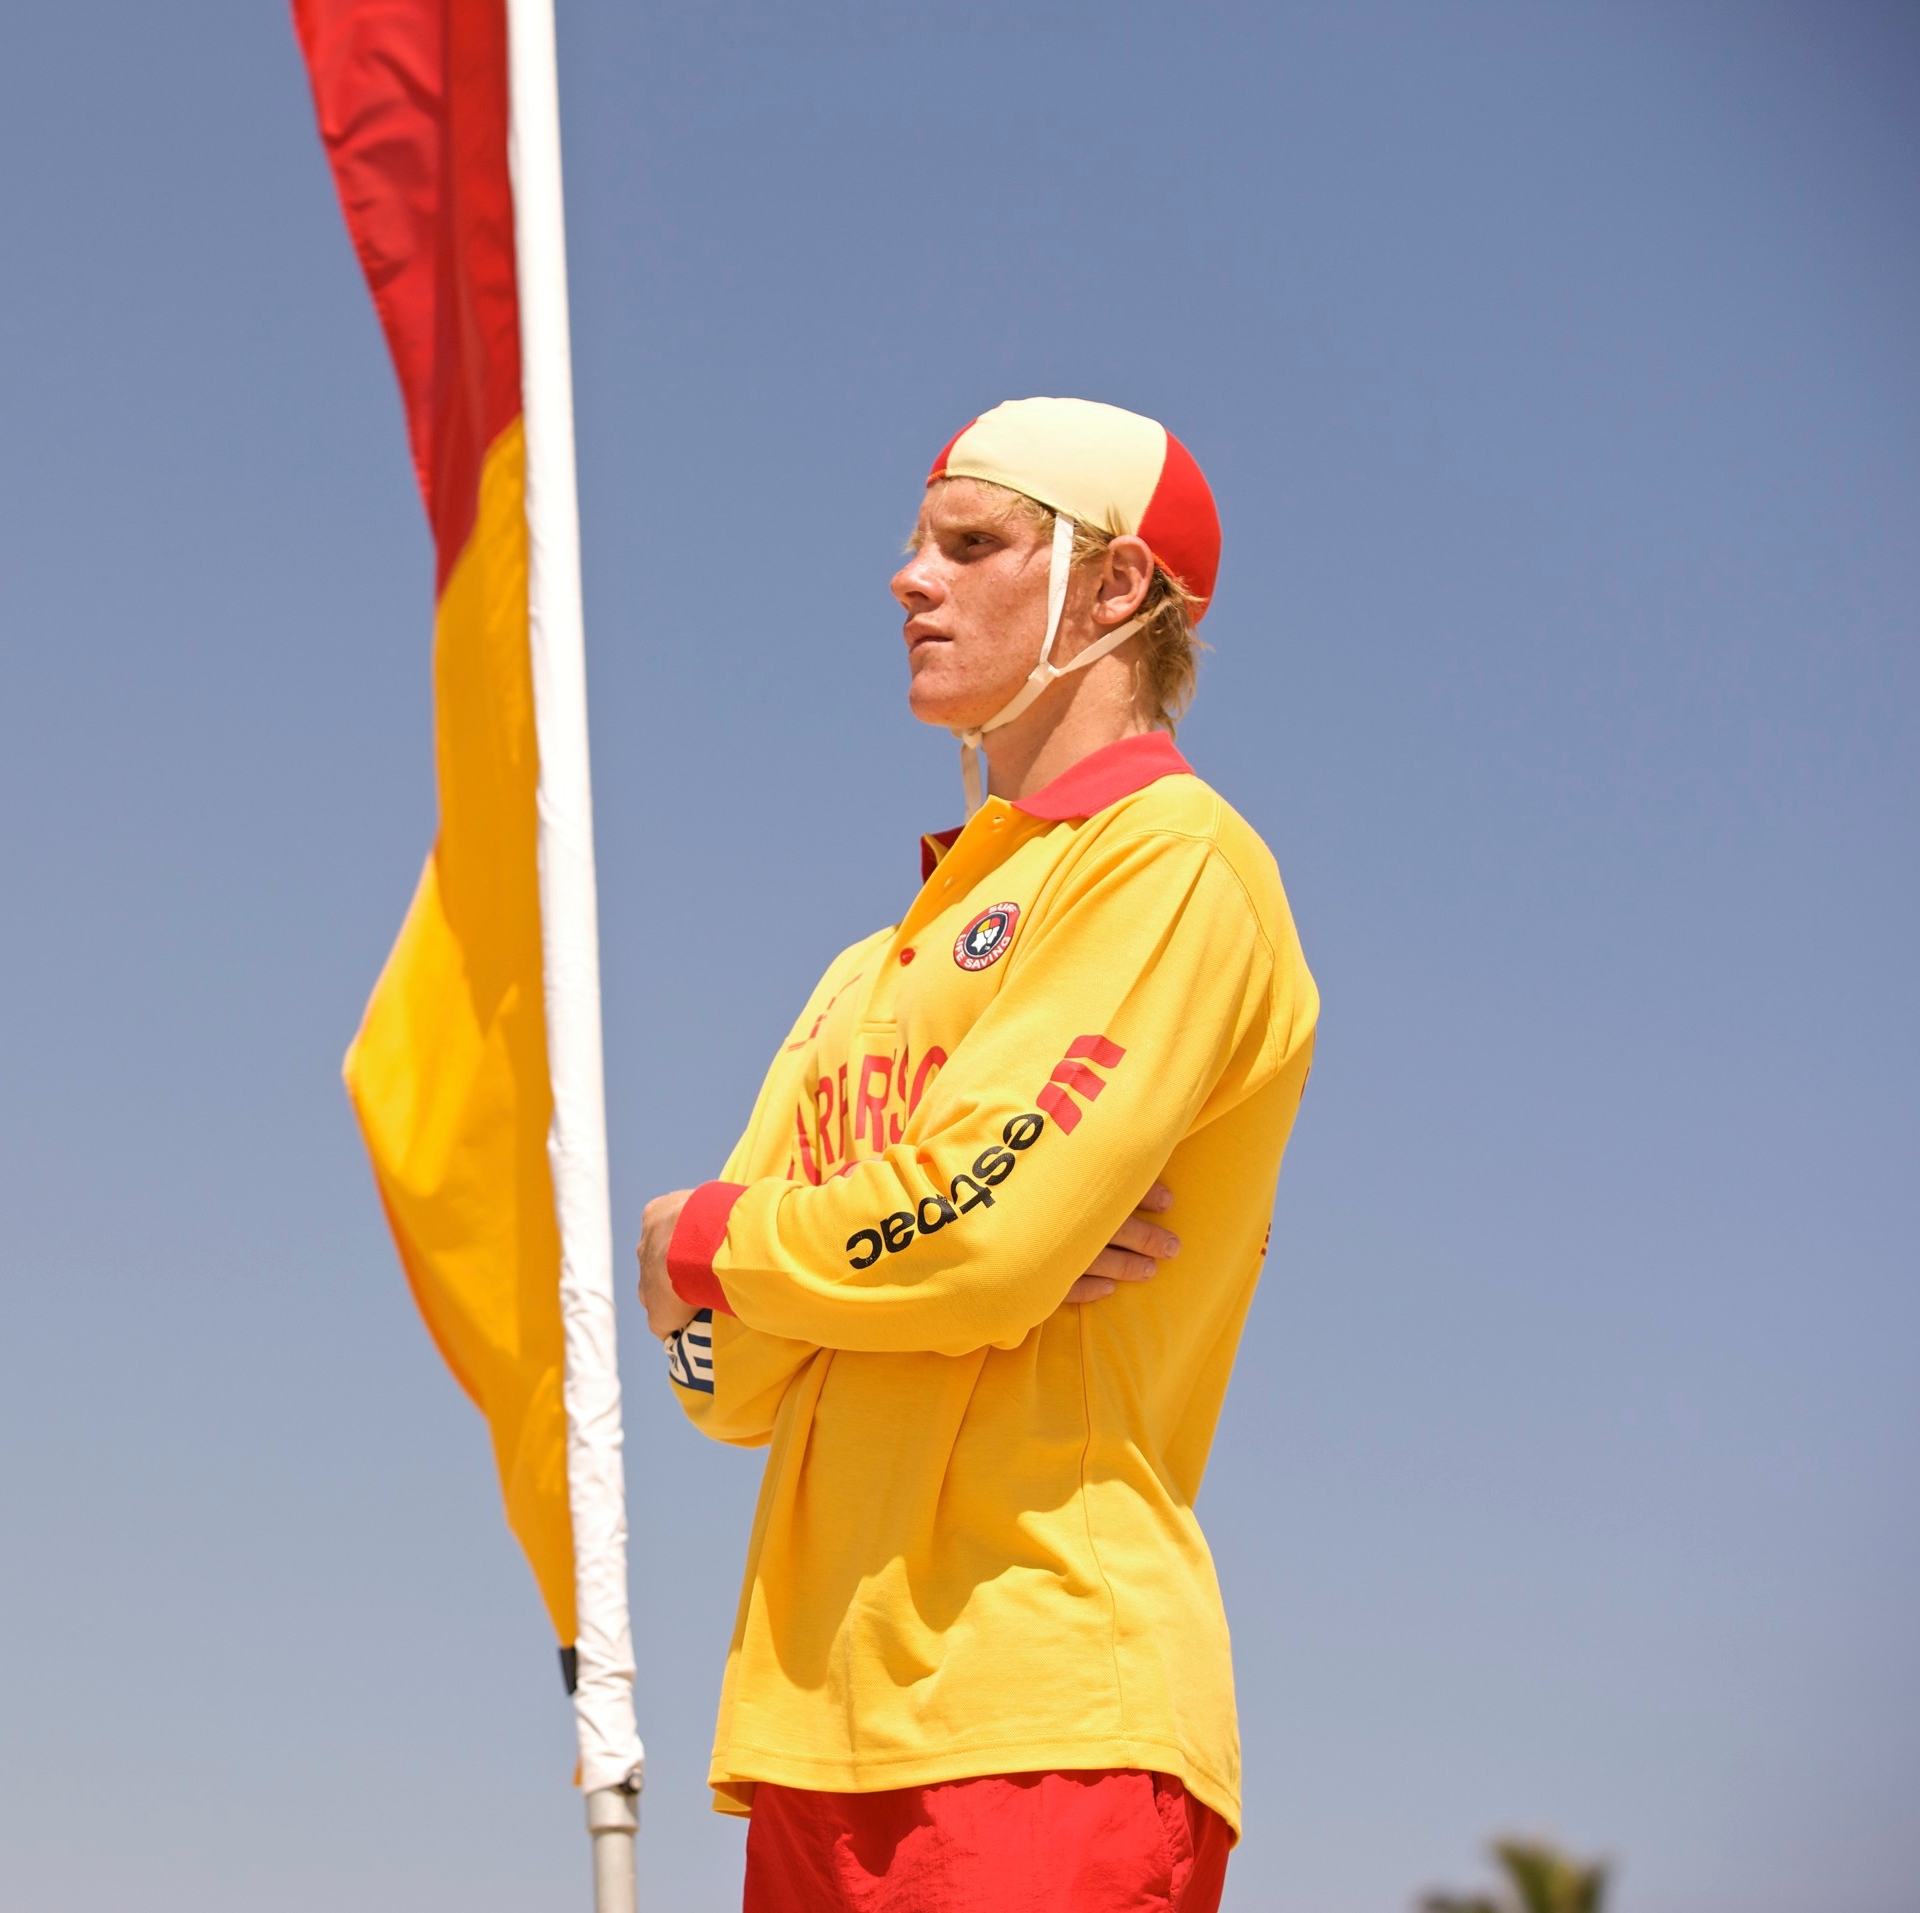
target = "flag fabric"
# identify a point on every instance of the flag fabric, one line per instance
(488, 1154)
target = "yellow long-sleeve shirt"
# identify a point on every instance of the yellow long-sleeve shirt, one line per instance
(975, 1549)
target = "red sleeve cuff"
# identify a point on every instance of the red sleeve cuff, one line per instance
(697, 1238)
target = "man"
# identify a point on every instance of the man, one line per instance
(980, 1659)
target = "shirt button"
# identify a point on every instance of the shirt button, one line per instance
(906, 956)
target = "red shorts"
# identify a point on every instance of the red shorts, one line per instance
(1113, 1842)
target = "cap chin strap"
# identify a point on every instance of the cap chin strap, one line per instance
(1043, 673)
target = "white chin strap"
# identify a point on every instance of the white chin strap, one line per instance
(1046, 670)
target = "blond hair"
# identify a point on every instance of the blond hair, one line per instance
(1170, 648)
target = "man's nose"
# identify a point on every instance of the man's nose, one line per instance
(916, 585)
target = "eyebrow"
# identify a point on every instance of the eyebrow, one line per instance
(960, 528)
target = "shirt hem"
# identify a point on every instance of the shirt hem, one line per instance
(734, 1777)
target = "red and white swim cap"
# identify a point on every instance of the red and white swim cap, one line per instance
(1095, 465)
(1109, 469)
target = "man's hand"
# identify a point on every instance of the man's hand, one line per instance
(1135, 1253)
(666, 1313)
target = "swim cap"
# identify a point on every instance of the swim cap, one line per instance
(1111, 470)
(1096, 465)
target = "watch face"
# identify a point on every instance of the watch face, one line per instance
(985, 939)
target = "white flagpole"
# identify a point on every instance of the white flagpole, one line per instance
(610, 1751)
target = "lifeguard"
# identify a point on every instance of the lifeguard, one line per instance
(977, 1270)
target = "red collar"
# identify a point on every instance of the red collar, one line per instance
(1112, 772)
(1101, 778)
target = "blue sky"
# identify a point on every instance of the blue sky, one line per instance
(1555, 370)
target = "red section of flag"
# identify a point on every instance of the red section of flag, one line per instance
(412, 99)
(1096, 1049)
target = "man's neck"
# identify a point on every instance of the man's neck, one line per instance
(1077, 716)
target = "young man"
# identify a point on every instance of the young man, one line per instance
(980, 1659)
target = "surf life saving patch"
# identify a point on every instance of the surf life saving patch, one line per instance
(985, 939)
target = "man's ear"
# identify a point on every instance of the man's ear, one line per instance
(1126, 576)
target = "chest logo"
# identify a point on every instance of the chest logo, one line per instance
(985, 939)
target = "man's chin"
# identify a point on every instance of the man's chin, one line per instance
(948, 713)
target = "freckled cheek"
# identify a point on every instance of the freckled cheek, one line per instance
(977, 609)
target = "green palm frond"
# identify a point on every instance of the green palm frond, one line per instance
(1542, 1880)
(1545, 1880)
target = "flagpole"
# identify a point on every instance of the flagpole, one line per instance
(610, 1752)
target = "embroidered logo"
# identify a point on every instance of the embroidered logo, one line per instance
(985, 939)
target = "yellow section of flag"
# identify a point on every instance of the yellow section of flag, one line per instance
(448, 1073)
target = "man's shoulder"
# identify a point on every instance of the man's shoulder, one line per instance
(1185, 805)
(1185, 810)
(852, 962)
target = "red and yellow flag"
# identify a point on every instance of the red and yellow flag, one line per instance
(449, 1072)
